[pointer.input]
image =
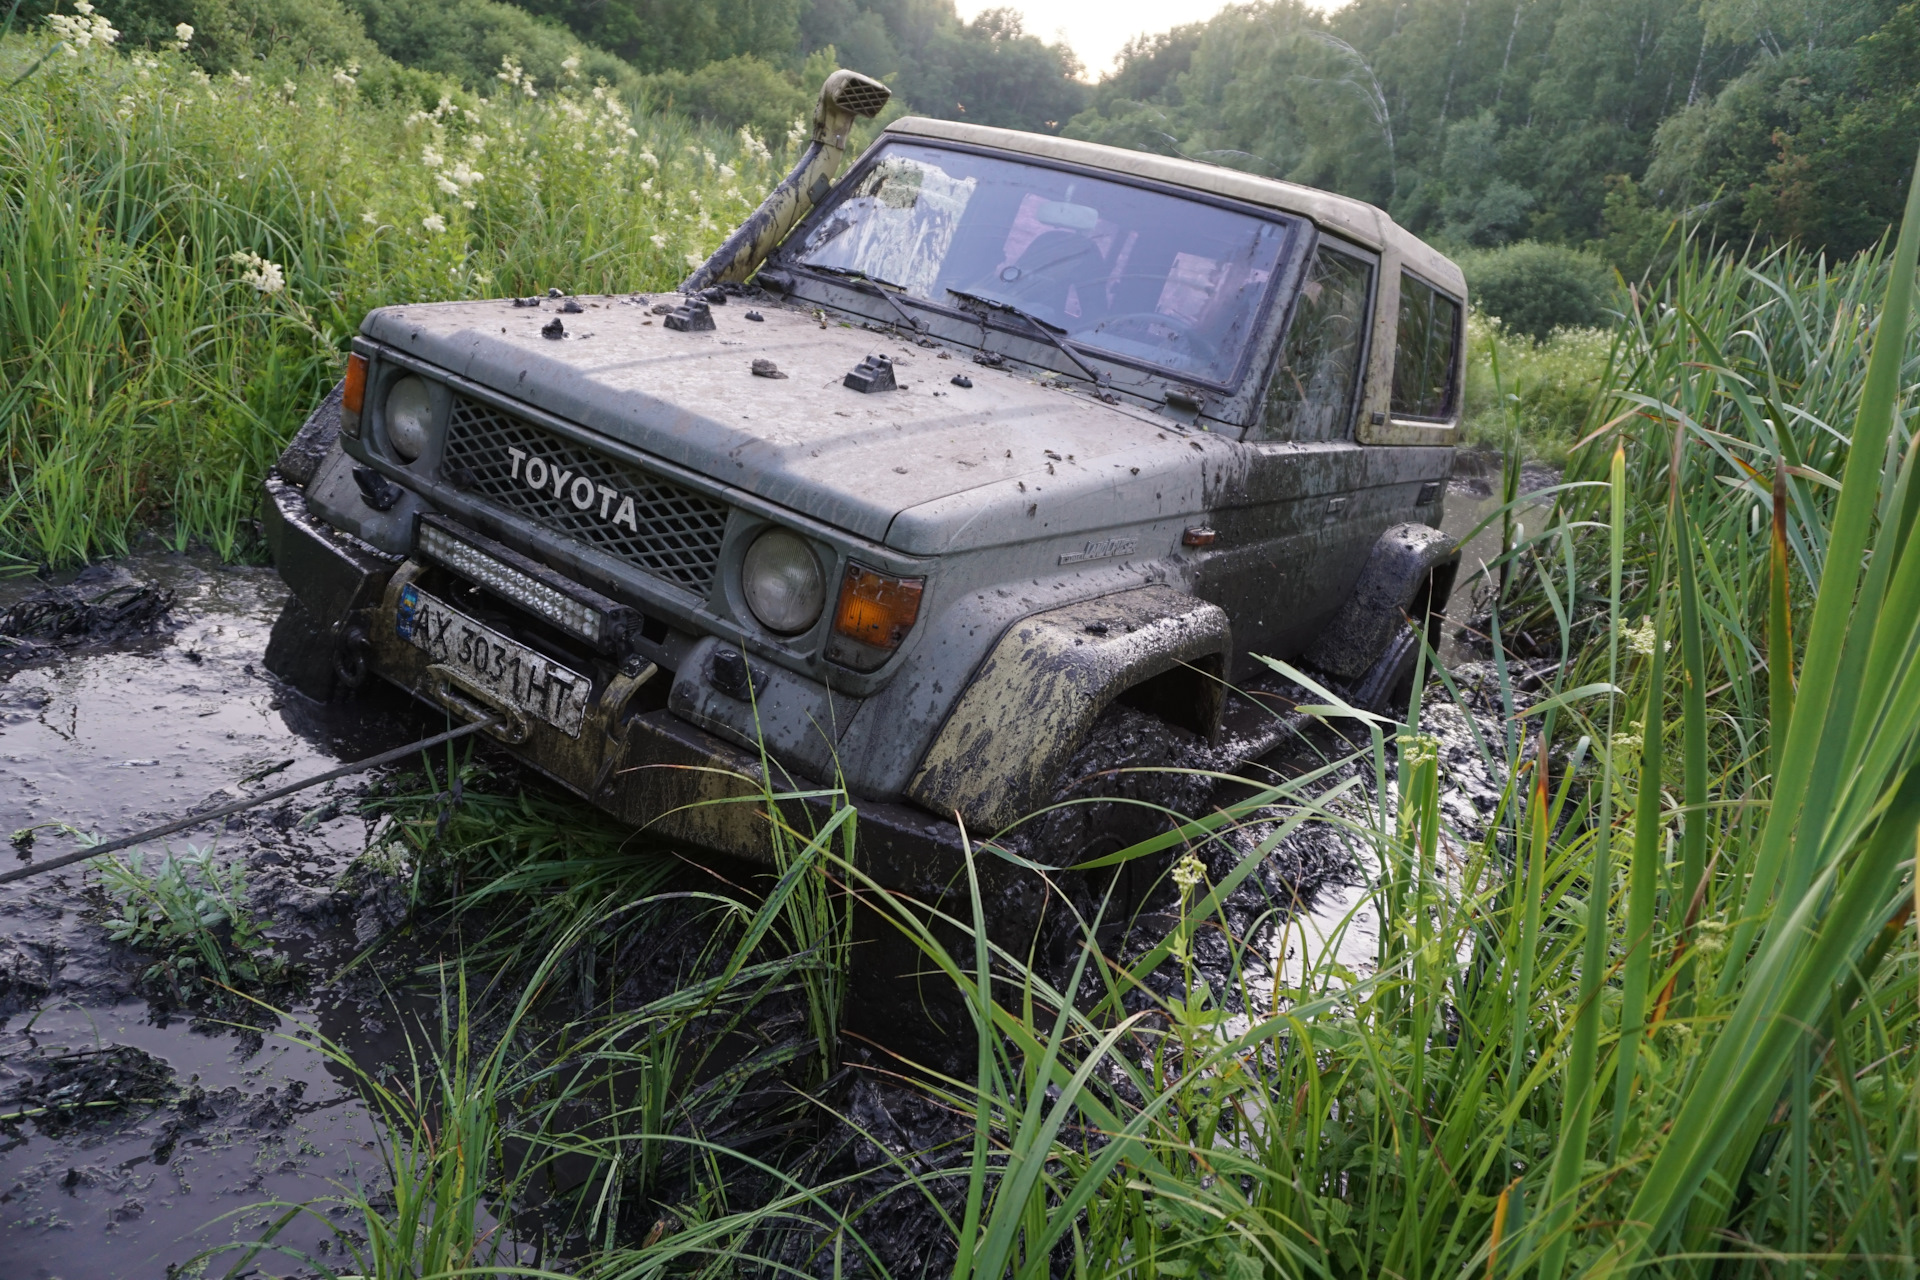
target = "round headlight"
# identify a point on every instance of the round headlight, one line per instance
(409, 412)
(782, 582)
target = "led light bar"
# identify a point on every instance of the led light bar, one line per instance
(511, 583)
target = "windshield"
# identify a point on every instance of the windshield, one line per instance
(1143, 276)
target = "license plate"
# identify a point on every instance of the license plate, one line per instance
(505, 669)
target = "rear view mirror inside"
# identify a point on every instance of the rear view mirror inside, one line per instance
(1070, 217)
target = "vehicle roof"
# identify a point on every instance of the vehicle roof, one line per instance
(1354, 219)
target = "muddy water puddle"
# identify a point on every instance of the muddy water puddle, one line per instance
(199, 1120)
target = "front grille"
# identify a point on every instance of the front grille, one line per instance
(675, 533)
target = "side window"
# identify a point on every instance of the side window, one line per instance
(1423, 356)
(1317, 385)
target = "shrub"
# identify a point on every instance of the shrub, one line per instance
(1549, 387)
(740, 93)
(1536, 288)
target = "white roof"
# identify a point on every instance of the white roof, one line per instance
(1354, 219)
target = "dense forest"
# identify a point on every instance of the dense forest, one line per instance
(1588, 123)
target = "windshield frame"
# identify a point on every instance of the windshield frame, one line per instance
(1298, 230)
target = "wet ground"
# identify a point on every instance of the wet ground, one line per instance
(197, 1123)
(114, 740)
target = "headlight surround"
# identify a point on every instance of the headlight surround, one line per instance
(409, 417)
(782, 582)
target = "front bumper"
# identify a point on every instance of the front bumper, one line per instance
(633, 759)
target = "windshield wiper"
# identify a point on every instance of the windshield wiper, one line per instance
(875, 288)
(1052, 333)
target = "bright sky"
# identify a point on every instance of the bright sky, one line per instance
(1095, 29)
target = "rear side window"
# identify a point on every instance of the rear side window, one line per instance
(1423, 354)
(1314, 391)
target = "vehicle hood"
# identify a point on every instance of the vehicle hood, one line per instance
(895, 467)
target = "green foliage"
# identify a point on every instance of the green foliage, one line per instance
(467, 41)
(1485, 124)
(739, 93)
(182, 259)
(671, 35)
(231, 35)
(988, 71)
(1535, 288)
(1546, 391)
(1812, 143)
(191, 911)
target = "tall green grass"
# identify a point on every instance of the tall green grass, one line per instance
(182, 260)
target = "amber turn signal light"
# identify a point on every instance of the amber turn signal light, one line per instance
(875, 609)
(354, 394)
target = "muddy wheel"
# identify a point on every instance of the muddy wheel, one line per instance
(1388, 683)
(1123, 786)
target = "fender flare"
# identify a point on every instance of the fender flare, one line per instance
(1030, 703)
(1408, 561)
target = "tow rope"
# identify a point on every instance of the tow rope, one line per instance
(241, 806)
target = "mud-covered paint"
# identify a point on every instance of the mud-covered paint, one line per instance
(1032, 701)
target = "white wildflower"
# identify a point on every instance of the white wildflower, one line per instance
(465, 175)
(82, 8)
(348, 76)
(753, 146)
(369, 217)
(659, 242)
(726, 172)
(200, 77)
(434, 223)
(289, 88)
(182, 37)
(1641, 639)
(571, 65)
(240, 79)
(694, 259)
(81, 32)
(448, 187)
(707, 155)
(482, 278)
(264, 276)
(649, 157)
(469, 204)
(1188, 872)
(431, 159)
(1628, 742)
(798, 132)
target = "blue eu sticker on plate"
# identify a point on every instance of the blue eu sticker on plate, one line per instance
(403, 617)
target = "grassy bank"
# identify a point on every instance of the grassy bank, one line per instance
(183, 259)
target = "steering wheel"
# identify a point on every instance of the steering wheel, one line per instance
(1183, 333)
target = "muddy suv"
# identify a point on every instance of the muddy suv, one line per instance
(927, 475)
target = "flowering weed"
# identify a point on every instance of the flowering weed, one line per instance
(183, 259)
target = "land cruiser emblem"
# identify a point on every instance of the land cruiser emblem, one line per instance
(549, 478)
(1104, 550)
